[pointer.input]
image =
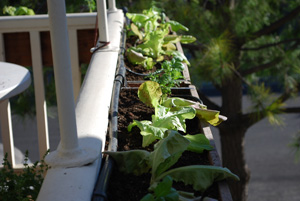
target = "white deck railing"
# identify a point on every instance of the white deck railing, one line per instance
(70, 179)
(34, 25)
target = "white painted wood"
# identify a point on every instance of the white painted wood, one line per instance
(6, 131)
(41, 108)
(41, 22)
(68, 153)
(2, 50)
(112, 5)
(63, 74)
(13, 80)
(76, 75)
(102, 21)
(92, 110)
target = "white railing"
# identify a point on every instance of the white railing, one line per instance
(75, 164)
(34, 25)
(70, 179)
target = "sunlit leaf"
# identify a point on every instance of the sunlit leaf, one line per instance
(150, 93)
(176, 26)
(166, 152)
(199, 143)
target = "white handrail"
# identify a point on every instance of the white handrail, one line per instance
(102, 21)
(92, 109)
(41, 22)
(112, 5)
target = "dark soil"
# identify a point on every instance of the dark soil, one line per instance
(130, 187)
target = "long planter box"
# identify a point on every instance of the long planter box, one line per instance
(111, 177)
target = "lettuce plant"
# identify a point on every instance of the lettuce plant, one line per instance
(163, 191)
(160, 161)
(154, 37)
(170, 113)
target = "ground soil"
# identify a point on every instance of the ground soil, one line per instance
(130, 187)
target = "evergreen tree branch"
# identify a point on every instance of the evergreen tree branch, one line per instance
(252, 118)
(274, 26)
(261, 67)
(269, 64)
(270, 45)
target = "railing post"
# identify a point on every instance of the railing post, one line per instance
(112, 5)
(74, 62)
(68, 153)
(102, 21)
(40, 102)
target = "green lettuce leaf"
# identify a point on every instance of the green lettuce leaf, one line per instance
(199, 176)
(171, 39)
(177, 102)
(163, 191)
(138, 19)
(149, 132)
(178, 55)
(210, 116)
(167, 118)
(163, 120)
(134, 161)
(153, 44)
(136, 31)
(185, 39)
(167, 152)
(213, 117)
(199, 143)
(176, 26)
(150, 93)
(135, 57)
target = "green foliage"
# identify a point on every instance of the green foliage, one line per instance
(91, 4)
(133, 161)
(295, 145)
(198, 143)
(163, 120)
(40, 6)
(10, 10)
(168, 75)
(166, 153)
(163, 191)
(216, 63)
(154, 37)
(213, 117)
(170, 113)
(263, 100)
(23, 186)
(200, 176)
(150, 93)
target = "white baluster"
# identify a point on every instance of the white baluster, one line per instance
(68, 153)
